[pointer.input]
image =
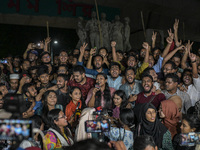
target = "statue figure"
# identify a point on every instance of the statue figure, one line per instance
(117, 33)
(127, 45)
(105, 31)
(92, 28)
(81, 32)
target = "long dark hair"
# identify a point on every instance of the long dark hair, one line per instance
(53, 116)
(106, 95)
(45, 108)
(127, 117)
(122, 95)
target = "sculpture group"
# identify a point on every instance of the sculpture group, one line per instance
(101, 33)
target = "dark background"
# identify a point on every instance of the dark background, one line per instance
(14, 39)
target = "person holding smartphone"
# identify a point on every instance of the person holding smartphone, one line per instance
(190, 123)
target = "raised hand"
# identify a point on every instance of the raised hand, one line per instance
(181, 47)
(154, 36)
(178, 43)
(176, 24)
(193, 57)
(113, 44)
(146, 45)
(41, 46)
(83, 47)
(92, 51)
(47, 40)
(189, 46)
(169, 40)
(171, 35)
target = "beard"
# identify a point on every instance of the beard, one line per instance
(60, 87)
(131, 81)
(45, 63)
(149, 89)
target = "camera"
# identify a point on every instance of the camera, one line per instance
(190, 139)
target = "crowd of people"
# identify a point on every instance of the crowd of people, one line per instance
(151, 96)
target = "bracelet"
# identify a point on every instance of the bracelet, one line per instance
(193, 61)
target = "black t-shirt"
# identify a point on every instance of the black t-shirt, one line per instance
(63, 99)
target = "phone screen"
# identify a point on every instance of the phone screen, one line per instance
(3, 61)
(15, 129)
(97, 126)
(190, 139)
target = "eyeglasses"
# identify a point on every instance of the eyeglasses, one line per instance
(63, 116)
(46, 57)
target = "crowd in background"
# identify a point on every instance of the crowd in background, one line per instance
(153, 94)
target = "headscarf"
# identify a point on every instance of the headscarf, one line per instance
(86, 114)
(177, 100)
(155, 129)
(172, 116)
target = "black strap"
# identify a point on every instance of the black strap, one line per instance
(152, 99)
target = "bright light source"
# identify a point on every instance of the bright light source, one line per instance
(55, 42)
(38, 44)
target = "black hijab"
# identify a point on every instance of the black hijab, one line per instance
(155, 129)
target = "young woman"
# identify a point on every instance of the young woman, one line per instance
(170, 114)
(101, 94)
(190, 123)
(150, 125)
(49, 102)
(119, 102)
(125, 131)
(58, 135)
(75, 94)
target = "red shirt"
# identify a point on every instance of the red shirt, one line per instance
(142, 98)
(71, 108)
(85, 87)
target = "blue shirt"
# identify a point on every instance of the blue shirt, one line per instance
(114, 83)
(137, 88)
(158, 66)
(92, 71)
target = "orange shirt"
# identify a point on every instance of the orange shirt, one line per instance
(70, 109)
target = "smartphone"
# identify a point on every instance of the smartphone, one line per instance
(190, 139)
(3, 61)
(15, 129)
(97, 126)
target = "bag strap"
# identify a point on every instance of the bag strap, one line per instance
(152, 98)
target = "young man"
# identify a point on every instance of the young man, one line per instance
(171, 89)
(147, 95)
(25, 66)
(169, 67)
(132, 87)
(14, 83)
(32, 57)
(81, 81)
(191, 81)
(115, 80)
(97, 61)
(3, 89)
(63, 97)
(43, 77)
(33, 106)
(152, 72)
